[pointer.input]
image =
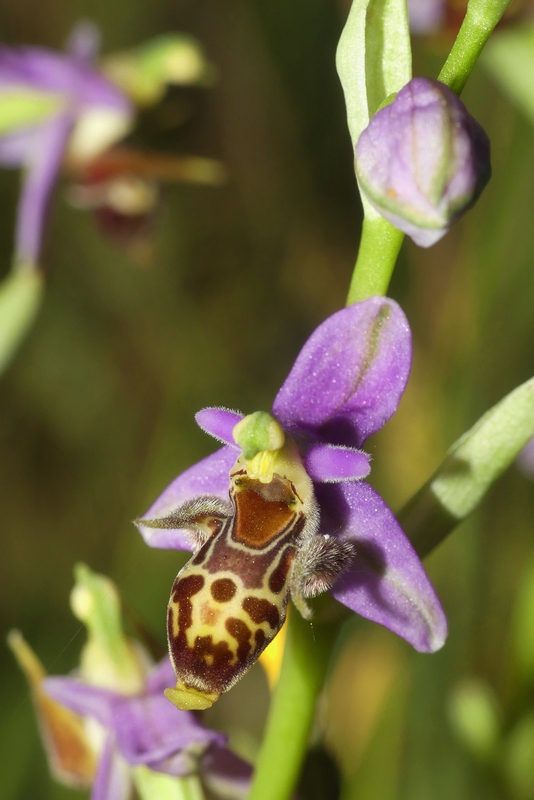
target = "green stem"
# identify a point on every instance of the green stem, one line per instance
(379, 247)
(306, 656)
(480, 20)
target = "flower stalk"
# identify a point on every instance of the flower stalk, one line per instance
(481, 18)
(306, 656)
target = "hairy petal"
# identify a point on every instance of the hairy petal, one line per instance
(219, 423)
(329, 464)
(209, 476)
(387, 582)
(349, 376)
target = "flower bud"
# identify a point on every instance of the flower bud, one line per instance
(423, 160)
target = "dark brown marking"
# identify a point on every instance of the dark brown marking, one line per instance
(240, 631)
(183, 590)
(220, 652)
(186, 587)
(260, 610)
(279, 576)
(223, 589)
(263, 512)
(260, 638)
(250, 566)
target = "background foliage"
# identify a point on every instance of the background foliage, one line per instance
(96, 412)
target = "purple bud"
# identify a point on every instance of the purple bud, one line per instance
(423, 160)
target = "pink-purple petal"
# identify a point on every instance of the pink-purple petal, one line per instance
(349, 376)
(329, 464)
(219, 423)
(208, 477)
(387, 582)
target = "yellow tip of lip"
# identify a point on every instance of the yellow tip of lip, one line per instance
(186, 698)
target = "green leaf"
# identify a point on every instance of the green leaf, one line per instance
(20, 298)
(373, 58)
(24, 108)
(471, 466)
(509, 57)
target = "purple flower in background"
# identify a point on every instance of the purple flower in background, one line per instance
(423, 160)
(525, 459)
(345, 384)
(110, 726)
(53, 107)
(426, 16)
(145, 730)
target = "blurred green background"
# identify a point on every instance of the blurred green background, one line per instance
(96, 411)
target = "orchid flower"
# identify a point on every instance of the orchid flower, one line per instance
(53, 107)
(343, 387)
(110, 725)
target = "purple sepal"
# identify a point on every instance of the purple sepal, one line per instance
(219, 423)
(387, 582)
(146, 728)
(151, 731)
(209, 477)
(64, 75)
(112, 780)
(43, 164)
(328, 464)
(161, 677)
(81, 698)
(348, 378)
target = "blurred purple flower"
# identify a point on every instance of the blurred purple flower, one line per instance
(345, 384)
(83, 113)
(525, 459)
(423, 160)
(146, 730)
(426, 16)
